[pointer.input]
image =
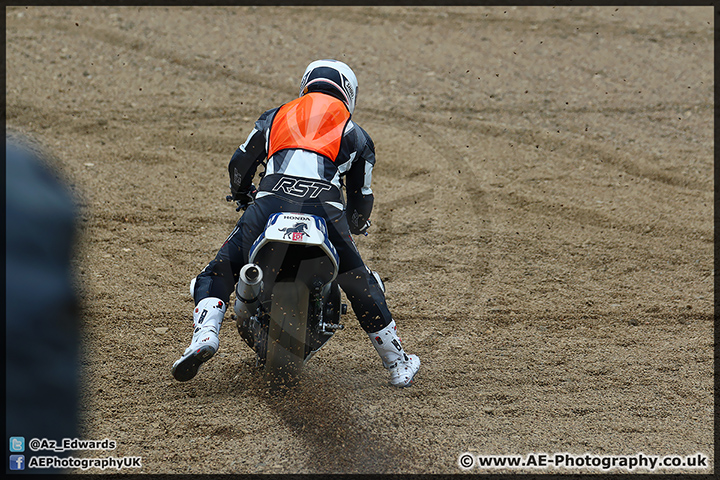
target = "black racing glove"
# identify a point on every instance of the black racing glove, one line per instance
(243, 199)
(358, 225)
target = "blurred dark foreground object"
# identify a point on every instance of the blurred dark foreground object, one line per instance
(41, 304)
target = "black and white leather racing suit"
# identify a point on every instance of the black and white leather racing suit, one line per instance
(303, 181)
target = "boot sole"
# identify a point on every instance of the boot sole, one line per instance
(412, 379)
(188, 368)
(404, 385)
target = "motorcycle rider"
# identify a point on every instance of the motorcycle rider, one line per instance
(310, 148)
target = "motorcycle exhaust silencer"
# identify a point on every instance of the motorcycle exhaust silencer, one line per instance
(247, 291)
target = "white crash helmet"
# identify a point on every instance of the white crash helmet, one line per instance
(333, 77)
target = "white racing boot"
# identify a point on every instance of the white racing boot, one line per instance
(207, 320)
(402, 366)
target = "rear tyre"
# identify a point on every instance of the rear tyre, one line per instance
(286, 334)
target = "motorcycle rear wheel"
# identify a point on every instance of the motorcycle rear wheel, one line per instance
(286, 334)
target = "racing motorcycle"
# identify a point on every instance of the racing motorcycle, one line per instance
(287, 300)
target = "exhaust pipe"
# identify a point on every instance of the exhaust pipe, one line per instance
(248, 291)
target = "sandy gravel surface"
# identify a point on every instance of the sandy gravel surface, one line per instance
(543, 225)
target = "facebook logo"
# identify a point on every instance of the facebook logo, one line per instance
(17, 444)
(17, 462)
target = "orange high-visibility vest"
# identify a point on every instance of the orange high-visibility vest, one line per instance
(314, 122)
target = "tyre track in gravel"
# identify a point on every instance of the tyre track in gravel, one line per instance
(571, 145)
(478, 249)
(470, 16)
(590, 217)
(451, 155)
(568, 146)
(339, 438)
(207, 69)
